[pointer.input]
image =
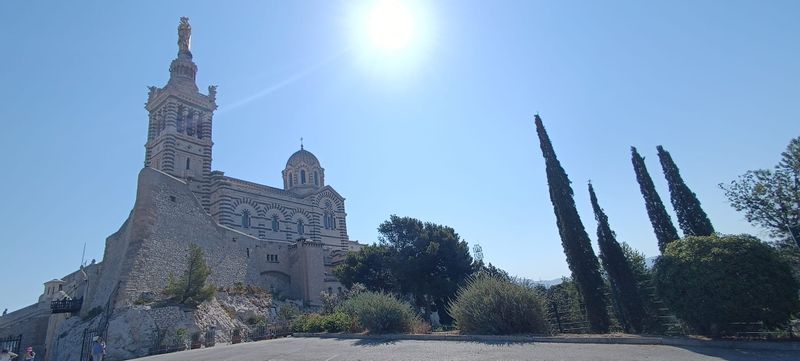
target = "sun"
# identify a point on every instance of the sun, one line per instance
(390, 25)
(391, 38)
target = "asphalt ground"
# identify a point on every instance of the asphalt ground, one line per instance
(331, 349)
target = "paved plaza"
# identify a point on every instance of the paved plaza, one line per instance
(369, 349)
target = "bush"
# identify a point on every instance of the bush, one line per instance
(494, 306)
(288, 311)
(310, 322)
(257, 320)
(379, 312)
(339, 322)
(711, 282)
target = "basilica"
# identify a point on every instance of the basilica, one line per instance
(285, 240)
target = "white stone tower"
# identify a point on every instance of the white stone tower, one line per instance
(179, 135)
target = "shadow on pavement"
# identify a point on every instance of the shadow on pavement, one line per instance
(744, 355)
(372, 342)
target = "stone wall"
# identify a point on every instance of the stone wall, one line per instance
(31, 323)
(172, 219)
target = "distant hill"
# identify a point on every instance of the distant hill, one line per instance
(649, 262)
(548, 283)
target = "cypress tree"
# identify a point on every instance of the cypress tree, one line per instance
(623, 282)
(659, 218)
(577, 246)
(691, 217)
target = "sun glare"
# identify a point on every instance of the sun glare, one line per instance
(390, 25)
(391, 37)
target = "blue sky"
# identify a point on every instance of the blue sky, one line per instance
(443, 133)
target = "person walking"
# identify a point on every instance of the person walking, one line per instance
(29, 354)
(6, 355)
(98, 348)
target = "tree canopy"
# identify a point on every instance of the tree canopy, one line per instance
(425, 260)
(659, 218)
(771, 198)
(691, 216)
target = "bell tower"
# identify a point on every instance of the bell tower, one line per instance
(179, 133)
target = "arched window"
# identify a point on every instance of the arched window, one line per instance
(328, 218)
(190, 119)
(301, 229)
(161, 122)
(246, 218)
(187, 162)
(316, 178)
(275, 224)
(290, 180)
(302, 176)
(181, 118)
(200, 126)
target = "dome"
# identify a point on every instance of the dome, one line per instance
(303, 174)
(303, 156)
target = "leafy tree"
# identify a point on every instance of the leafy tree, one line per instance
(566, 299)
(190, 288)
(577, 246)
(691, 217)
(429, 260)
(710, 282)
(621, 277)
(659, 218)
(771, 198)
(643, 276)
(490, 270)
(424, 260)
(371, 266)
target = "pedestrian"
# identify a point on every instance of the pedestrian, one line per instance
(6, 355)
(29, 354)
(98, 348)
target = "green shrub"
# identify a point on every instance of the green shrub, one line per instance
(379, 312)
(490, 305)
(310, 322)
(334, 322)
(711, 282)
(339, 322)
(288, 311)
(257, 320)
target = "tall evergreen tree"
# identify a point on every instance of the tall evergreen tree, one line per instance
(623, 282)
(577, 245)
(191, 288)
(659, 218)
(691, 217)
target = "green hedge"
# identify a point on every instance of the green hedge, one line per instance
(712, 282)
